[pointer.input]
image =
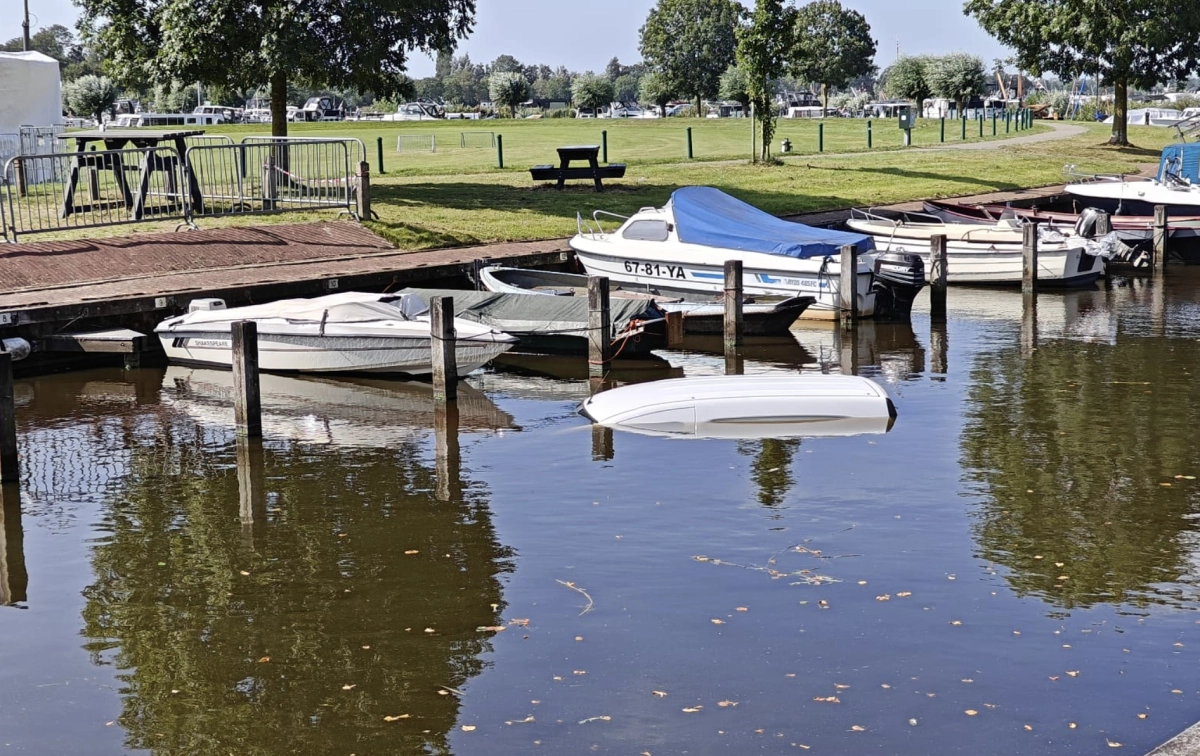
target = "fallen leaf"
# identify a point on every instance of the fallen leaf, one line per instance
(245, 573)
(743, 609)
(580, 672)
(828, 699)
(1073, 672)
(468, 728)
(955, 622)
(1072, 725)
(350, 687)
(1112, 743)
(884, 597)
(857, 728)
(692, 709)
(526, 720)
(410, 552)
(726, 704)
(970, 712)
(660, 693)
(904, 594)
(718, 622)
(1029, 728)
(489, 629)
(264, 660)
(1142, 715)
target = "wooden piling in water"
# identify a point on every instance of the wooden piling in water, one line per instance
(848, 287)
(937, 276)
(1159, 261)
(1029, 259)
(599, 326)
(247, 402)
(733, 305)
(441, 342)
(674, 329)
(10, 466)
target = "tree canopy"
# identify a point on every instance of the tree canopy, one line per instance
(833, 45)
(764, 46)
(654, 89)
(908, 78)
(245, 43)
(591, 91)
(957, 76)
(508, 88)
(90, 96)
(1136, 43)
(735, 86)
(691, 42)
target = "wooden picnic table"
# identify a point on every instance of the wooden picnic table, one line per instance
(143, 139)
(589, 153)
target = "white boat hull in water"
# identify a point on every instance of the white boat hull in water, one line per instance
(983, 255)
(341, 333)
(746, 406)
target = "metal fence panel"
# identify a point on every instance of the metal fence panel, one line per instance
(62, 191)
(355, 146)
(10, 147)
(261, 176)
(41, 140)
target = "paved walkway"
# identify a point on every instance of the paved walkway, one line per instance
(1058, 131)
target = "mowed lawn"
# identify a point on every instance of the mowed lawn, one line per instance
(458, 196)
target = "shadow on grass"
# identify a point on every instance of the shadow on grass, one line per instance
(990, 185)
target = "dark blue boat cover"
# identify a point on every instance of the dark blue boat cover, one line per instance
(708, 216)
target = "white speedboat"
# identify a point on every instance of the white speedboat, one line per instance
(1176, 186)
(682, 248)
(352, 332)
(985, 254)
(746, 406)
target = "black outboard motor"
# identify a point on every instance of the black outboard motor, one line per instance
(899, 276)
(1088, 225)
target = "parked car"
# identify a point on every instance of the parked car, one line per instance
(685, 109)
(585, 113)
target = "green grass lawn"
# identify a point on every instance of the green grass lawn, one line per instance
(458, 196)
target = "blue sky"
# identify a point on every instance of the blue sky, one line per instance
(584, 34)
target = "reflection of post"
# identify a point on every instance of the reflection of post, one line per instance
(938, 344)
(1158, 303)
(602, 443)
(14, 580)
(448, 459)
(1028, 324)
(252, 495)
(848, 351)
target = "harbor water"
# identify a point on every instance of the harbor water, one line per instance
(1013, 568)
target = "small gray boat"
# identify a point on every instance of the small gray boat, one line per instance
(699, 316)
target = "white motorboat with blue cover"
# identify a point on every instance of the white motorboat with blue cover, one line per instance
(682, 248)
(746, 406)
(1176, 186)
(351, 332)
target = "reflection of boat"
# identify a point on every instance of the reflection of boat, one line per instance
(780, 351)
(351, 332)
(699, 315)
(683, 246)
(557, 325)
(746, 406)
(985, 254)
(352, 413)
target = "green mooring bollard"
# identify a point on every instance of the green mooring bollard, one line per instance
(499, 151)
(1007, 121)
(379, 153)
(993, 123)
(963, 130)
(981, 126)
(604, 146)
(820, 137)
(942, 129)
(868, 133)
(689, 142)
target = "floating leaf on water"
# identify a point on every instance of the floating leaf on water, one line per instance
(743, 609)
(1072, 725)
(468, 728)
(805, 747)
(489, 629)
(1016, 632)
(659, 693)
(1165, 485)
(264, 660)
(1028, 728)
(398, 717)
(521, 622)
(1142, 715)
(601, 718)
(243, 572)
(578, 638)
(410, 552)
(692, 709)
(718, 621)
(1066, 645)
(1177, 692)
(526, 720)
(827, 699)
(823, 604)
(913, 722)
(931, 695)
(430, 630)
(443, 692)
(1113, 743)
(885, 686)
(1063, 577)
(857, 728)
(366, 648)
(884, 597)
(700, 558)
(967, 680)
(1178, 645)
(970, 712)
(580, 672)
(904, 594)
(1054, 677)
(952, 577)
(726, 704)
(955, 622)
(1038, 556)
(1073, 672)
(840, 686)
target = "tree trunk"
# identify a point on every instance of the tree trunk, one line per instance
(699, 106)
(1120, 129)
(279, 104)
(824, 99)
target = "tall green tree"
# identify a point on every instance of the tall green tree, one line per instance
(764, 46)
(1136, 43)
(908, 78)
(833, 46)
(735, 86)
(241, 43)
(654, 89)
(91, 96)
(508, 88)
(691, 42)
(957, 76)
(591, 91)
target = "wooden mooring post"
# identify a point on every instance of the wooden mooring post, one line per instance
(674, 329)
(247, 402)
(599, 326)
(1029, 259)
(1159, 261)
(477, 265)
(733, 305)
(363, 204)
(848, 287)
(441, 342)
(10, 465)
(937, 277)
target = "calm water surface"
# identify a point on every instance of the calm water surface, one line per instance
(1014, 568)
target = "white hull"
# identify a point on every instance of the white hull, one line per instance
(1003, 263)
(328, 353)
(687, 268)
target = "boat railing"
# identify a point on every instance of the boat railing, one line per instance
(594, 227)
(1076, 176)
(1189, 127)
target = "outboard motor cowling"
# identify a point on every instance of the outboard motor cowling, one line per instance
(1088, 224)
(899, 276)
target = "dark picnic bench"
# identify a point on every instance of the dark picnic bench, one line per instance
(564, 172)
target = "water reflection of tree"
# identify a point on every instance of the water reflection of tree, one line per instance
(771, 469)
(1071, 450)
(229, 645)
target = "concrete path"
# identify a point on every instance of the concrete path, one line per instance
(1186, 743)
(1058, 131)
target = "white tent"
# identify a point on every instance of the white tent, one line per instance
(30, 91)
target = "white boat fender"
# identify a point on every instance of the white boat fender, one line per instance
(18, 348)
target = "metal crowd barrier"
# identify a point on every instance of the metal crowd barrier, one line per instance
(264, 175)
(42, 193)
(355, 146)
